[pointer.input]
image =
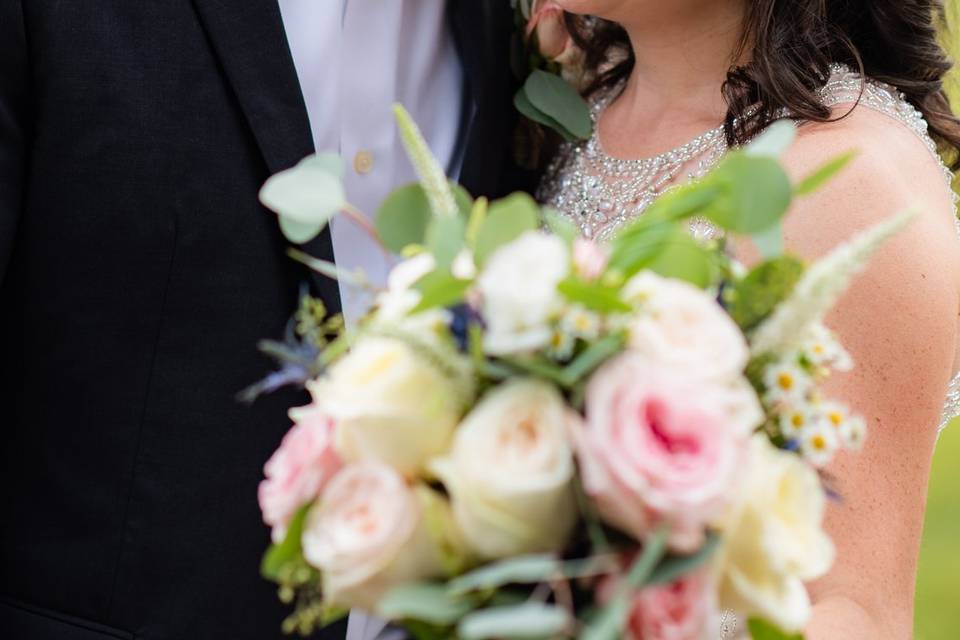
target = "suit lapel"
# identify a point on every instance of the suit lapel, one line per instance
(248, 38)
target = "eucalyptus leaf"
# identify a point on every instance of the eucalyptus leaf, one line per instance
(298, 232)
(287, 551)
(636, 248)
(445, 237)
(560, 225)
(673, 567)
(521, 569)
(525, 107)
(308, 193)
(755, 193)
(774, 140)
(439, 289)
(592, 357)
(426, 601)
(769, 242)
(405, 214)
(822, 175)
(527, 620)
(555, 97)
(684, 258)
(762, 630)
(506, 220)
(592, 295)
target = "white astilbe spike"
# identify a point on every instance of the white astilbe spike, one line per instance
(431, 174)
(820, 288)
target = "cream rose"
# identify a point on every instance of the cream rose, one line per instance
(393, 404)
(366, 534)
(682, 326)
(518, 288)
(510, 472)
(774, 540)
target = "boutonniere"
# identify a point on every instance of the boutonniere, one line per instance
(547, 60)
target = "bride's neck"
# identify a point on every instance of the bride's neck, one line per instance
(682, 57)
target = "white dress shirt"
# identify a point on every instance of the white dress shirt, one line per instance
(355, 58)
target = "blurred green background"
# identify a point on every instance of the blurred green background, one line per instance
(938, 597)
(938, 581)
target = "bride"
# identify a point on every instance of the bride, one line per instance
(675, 83)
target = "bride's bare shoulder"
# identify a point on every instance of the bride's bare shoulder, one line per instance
(892, 170)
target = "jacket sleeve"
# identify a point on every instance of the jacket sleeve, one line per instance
(13, 123)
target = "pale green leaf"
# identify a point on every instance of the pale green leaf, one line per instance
(769, 242)
(774, 140)
(555, 97)
(439, 289)
(822, 175)
(298, 232)
(307, 193)
(592, 295)
(426, 601)
(762, 630)
(684, 258)
(507, 219)
(520, 569)
(673, 567)
(525, 107)
(527, 620)
(287, 551)
(755, 193)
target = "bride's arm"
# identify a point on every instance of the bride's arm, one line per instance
(899, 322)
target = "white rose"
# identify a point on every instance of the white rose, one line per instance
(366, 534)
(774, 539)
(681, 325)
(518, 287)
(393, 404)
(510, 472)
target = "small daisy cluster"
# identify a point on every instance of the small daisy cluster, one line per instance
(817, 427)
(574, 323)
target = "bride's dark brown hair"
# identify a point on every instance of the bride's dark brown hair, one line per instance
(791, 46)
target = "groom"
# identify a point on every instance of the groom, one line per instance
(137, 272)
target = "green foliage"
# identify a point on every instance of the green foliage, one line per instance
(306, 196)
(439, 289)
(405, 215)
(819, 177)
(426, 601)
(550, 100)
(506, 220)
(762, 630)
(526, 620)
(592, 295)
(675, 566)
(752, 299)
(754, 193)
(609, 622)
(520, 569)
(287, 552)
(774, 141)
(683, 258)
(445, 237)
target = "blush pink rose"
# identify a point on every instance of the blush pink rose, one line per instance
(553, 39)
(681, 610)
(589, 258)
(657, 448)
(299, 469)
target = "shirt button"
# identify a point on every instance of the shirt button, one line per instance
(363, 162)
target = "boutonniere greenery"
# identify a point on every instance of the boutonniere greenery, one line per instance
(549, 63)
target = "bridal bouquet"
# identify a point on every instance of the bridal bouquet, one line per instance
(532, 435)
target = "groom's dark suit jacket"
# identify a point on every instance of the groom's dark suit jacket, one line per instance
(137, 272)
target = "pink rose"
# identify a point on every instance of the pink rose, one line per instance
(682, 610)
(658, 448)
(589, 258)
(546, 22)
(298, 470)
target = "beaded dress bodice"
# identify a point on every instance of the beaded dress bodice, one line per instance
(600, 193)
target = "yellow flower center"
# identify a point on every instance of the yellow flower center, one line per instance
(785, 381)
(836, 418)
(818, 442)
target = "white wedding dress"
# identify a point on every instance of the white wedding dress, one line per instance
(600, 193)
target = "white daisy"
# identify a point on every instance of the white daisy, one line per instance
(818, 443)
(794, 419)
(581, 323)
(786, 383)
(561, 344)
(853, 432)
